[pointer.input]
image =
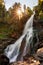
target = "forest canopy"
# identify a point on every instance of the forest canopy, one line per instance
(12, 21)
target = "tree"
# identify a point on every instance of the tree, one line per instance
(18, 24)
(2, 10)
(39, 9)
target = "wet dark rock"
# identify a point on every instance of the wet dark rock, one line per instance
(4, 43)
(38, 26)
(21, 48)
(39, 55)
(41, 63)
(4, 60)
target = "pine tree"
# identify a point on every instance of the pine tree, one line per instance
(2, 10)
(39, 10)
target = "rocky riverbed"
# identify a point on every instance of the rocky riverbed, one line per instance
(36, 59)
(26, 63)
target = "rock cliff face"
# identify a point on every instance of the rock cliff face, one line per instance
(38, 26)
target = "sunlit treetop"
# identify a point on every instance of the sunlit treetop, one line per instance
(40, 1)
(19, 13)
(2, 2)
(41, 4)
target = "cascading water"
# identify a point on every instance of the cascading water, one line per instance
(12, 51)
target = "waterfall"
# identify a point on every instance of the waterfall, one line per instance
(12, 51)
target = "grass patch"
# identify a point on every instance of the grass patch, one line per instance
(5, 30)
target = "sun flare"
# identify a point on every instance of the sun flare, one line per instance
(19, 13)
